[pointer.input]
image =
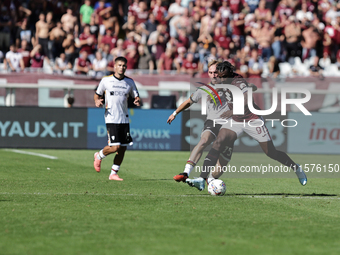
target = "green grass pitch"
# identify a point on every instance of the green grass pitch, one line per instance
(62, 206)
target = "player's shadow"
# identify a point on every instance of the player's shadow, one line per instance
(155, 180)
(284, 194)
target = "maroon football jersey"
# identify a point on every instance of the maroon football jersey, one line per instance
(238, 81)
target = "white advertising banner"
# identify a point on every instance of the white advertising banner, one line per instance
(319, 133)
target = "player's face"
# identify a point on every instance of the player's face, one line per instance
(120, 67)
(213, 75)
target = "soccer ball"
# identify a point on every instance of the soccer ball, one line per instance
(217, 188)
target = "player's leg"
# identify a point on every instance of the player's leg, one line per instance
(223, 145)
(195, 156)
(118, 159)
(209, 133)
(98, 156)
(259, 132)
(224, 141)
(282, 157)
(119, 155)
(118, 138)
(222, 162)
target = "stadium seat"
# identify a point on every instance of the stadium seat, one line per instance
(75, 65)
(297, 61)
(308, 62)
(285, 69)
(300, 68)
(163, 102)
(325, 62)
(331, 70)
(47, 68)
(68, 72)
(265, 70)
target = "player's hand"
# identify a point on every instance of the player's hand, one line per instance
(137, 101)
(226, 115)
(99, 102)
(170, 119)
(253, 86)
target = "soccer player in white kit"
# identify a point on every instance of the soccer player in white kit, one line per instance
(116, 88)
(209, 132)
(229, 133)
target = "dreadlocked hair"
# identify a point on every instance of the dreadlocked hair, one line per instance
(225, 69)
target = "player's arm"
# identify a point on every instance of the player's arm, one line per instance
(137, 101)
(253, 86)
(97, 100)
(229, 113)
(135, 94)
(185, 105)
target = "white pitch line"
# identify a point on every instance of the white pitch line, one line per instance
(304, 197)
(147, 195)
(33, 154)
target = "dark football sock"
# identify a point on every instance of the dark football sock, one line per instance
(209, 161)
(284, 159)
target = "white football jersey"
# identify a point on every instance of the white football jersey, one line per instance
(116, 93)
(214, 106)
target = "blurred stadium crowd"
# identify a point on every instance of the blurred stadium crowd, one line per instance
(261, 38)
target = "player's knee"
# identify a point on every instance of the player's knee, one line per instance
(226, 154)
(231, 137)
(122, 149)
(204, 142)
(218, 144)
(271, 153)
(117, 148)
(112, 149)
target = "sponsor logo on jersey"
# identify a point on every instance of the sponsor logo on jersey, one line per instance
(238, 100)
(117, 93)
(211, 95)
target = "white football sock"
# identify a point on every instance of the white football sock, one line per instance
(210, 178)
(115, 169)
(101, 154)
(189, 166)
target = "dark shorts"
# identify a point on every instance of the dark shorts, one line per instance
(119, 134)
(209, 126)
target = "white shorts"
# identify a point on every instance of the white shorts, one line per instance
(255, 128)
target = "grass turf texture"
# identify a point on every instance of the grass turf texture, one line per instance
(71, 209)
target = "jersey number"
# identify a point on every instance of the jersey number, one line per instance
(260, 129)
